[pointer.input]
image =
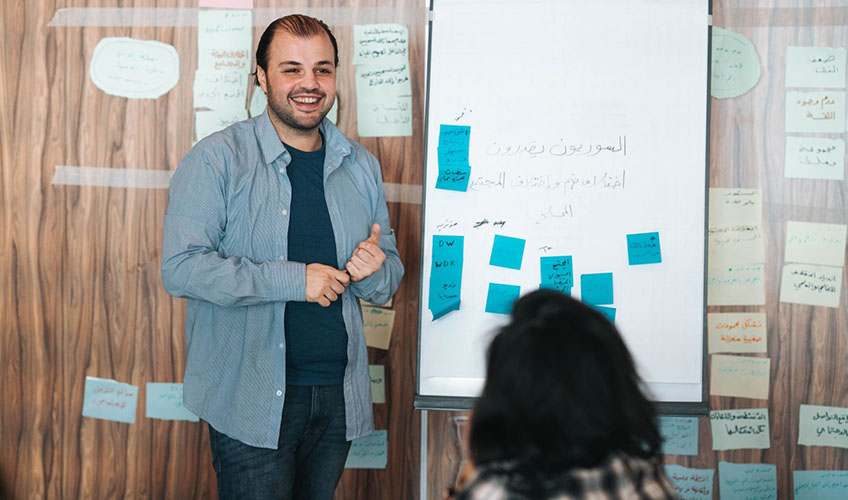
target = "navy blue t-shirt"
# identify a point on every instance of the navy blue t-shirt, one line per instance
(316, 337)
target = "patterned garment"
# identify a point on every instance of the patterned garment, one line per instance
(620, 478)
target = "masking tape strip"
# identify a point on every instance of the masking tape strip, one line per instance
(162, 16)
(403, 193)
(111, 177)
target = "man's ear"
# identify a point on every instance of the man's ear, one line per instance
(263, 82)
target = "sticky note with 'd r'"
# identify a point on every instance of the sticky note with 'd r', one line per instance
(500, 298)
(643, 248)
(507, 252)
(596, 289)
(108, 399)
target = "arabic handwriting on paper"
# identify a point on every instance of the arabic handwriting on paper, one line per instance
(565, 182)
(679, 435)
(817, 67)
(507, 252)
(378, 324)
(557, 273)
(735, 67)
(823, 426)
(384, 116)
(224, 90)
(500, 297)
(643, 248)
(445, 275)
(739, 376)
(736, 285)
(136, 69)
(560, 149)
(736, 244)
(744, 481)
(165, 401)
(740, 429)
(596, 288)
(812, 243)
(369, 452)
(380, 43)
(735, 206)
(815, 112)
(372, 80)
(811, 284)
(736, 332)
(224, 40)
(211, 121)
(453, 152)
(378, 383)
(820, 484)
(691, 484)
(814, 158)
(109, 400)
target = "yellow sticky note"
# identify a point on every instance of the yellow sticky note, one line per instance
(736, 285)
(736, 244)
(736, 332)
(735, 206)
(810, 284)
(378, 383)
(813, 243)
(366, 303)
(823, 426)
(739, 376)
(740, 429)
(377, 324)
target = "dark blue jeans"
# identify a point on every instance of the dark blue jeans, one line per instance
(309, 459)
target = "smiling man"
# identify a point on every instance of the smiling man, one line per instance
(274, 227)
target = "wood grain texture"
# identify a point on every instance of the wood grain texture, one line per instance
(80, 286)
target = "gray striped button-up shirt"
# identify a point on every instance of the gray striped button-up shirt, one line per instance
(225, 250)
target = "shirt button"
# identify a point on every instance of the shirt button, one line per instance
(285, 212)
(279, 393)
(282, 170)
(282, 257)
(281, 345)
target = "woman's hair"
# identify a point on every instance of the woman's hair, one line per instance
(561, 391)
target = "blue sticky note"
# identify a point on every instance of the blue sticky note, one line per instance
(609, 312)
(454, 178)
(165, 401)
(557, 272)
(452, 152)
(691, 484)
(743, 481)
(596, 289)
(445, 275)
(500, 298)
(820, 484)
(551, 286)
(368, 452)
(507, 252)
(109, 400)
(679, 435)
(643, 248)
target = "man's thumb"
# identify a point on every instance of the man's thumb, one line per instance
(375, 234)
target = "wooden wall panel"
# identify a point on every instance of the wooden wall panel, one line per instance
(80, 289)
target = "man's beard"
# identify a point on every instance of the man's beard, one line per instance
(286, 116)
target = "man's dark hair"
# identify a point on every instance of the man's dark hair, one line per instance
(296, 25)
(561, 391)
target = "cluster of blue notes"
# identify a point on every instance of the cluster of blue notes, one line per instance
(596, 289)
(454, 171)
(369, 452)
(820, 484)
(643, 248)
(507, 252)
(691, 484)
(445, 275)
(744, 481)
(109, 400)
(557, 273)
(680, 436)
(165, 401)
(500, 298)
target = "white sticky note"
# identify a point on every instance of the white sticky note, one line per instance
(816, 67)
(369, 452)
(739, 376)
(811, 284)
(224, 40)
(378, 383)
(735, 67)
(736, 332)
(816, 112)
(814, 158)
(209, 122)
(815, 243)
(220, 89)
(137, 69)
(823, 426)
(376, 80)
(384, 117)
(735, 206)
(109, 399)
(740, 429)
(736, 285)
(380, 43)
(736, 244)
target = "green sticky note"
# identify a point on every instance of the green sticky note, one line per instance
(746, 481)
(108, 399)
(816, 112)
(369, 452)
(816, 67)
(735, 64)
(679, 435)
(820, 484)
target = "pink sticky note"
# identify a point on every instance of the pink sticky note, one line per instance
(226, 4)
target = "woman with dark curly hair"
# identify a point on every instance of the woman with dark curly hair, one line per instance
(562, 414)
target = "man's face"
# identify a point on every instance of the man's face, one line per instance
(300, 81)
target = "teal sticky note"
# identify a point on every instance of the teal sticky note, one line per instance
(551, 286)
(445, 275)
(452, 151)
(557, 272)
(744, 481)
(679, 436)
(500, 298)
(109, 400)
(691, 484)
(507, 252)
(643, 248)
(165, 401)
(820, 484)
(596, 289)
(369, 452)
(609, 312)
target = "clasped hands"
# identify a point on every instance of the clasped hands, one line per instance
(324, 283)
